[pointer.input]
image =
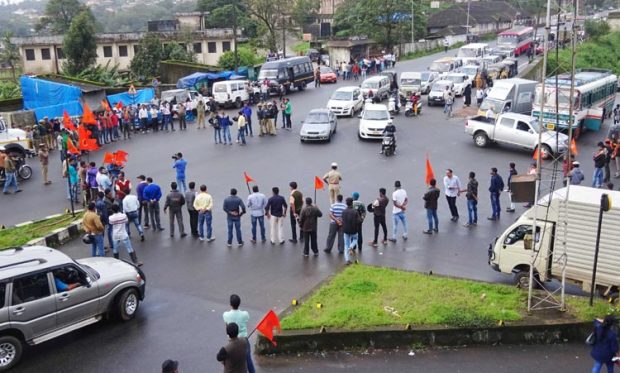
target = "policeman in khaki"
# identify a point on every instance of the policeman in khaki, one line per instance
(333, 179)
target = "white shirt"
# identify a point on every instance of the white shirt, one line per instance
(398, 197)
(479, 93)
(103, 182)
(490, 113)
(143, 114)
(118, 221)
(452, 185)
(131, 203)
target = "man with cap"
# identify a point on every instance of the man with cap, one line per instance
(234, 355)
(262, 125)
(44, 158)
(575, 175)
(333, 178)
(270, 117)
(170, 366)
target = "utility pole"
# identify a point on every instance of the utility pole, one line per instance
(412, 29)
(467, 25)
(235, 36)
(283, 36)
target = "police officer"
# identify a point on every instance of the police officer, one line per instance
(333, 179)
(175, 201)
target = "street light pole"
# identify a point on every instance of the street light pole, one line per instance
(234, 14)
(467, 26)
(412, 29)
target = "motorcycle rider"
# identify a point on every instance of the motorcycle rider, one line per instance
(389, 132)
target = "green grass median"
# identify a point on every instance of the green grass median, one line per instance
(17, 236)
(363, 296)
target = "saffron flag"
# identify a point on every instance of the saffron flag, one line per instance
(248, 178)
(84, 140)
(120, 156)
(108, 158)
(105, 105)
(119, 105)
(318, 183)
(71, 149)
(267, 324)
(536, 154)
(573, 147)
(429, 171)
(88, 117)
(66, 121)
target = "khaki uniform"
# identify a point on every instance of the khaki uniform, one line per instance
(333, 179)
(44, 159)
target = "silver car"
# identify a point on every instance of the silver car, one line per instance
(319, 125)
(45, 294)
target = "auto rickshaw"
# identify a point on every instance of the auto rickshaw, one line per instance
(512, 67)
(494, 71)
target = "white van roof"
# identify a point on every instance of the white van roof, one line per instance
(410, 75)
(376, 78)
(349, 88)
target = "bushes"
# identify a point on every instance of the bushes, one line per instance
(247, 57)
(603, 53)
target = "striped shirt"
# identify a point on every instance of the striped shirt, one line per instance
(336, 210)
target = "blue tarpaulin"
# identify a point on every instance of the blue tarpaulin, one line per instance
(142, 96)
(190, 81)
(74, 108)
(49, 98)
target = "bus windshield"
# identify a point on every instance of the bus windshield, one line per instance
(508, 39)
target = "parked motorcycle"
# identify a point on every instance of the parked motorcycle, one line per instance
(18, 154)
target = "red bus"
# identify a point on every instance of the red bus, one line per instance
(517, 38)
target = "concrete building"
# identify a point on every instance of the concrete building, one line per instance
(44, 55)
(484, 17)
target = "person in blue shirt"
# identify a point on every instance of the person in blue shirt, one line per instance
(225, 123)
(179, 165)
(152, 194)
(62, 282)
(496, 187)
(247, 111)
(605, 346)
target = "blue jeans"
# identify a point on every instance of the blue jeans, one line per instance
(133, 217)
(241, 135)
(597, 178)
(598, 366)
(350, 241)
(248, 127)
(248, 358)
(226, 134)
(181, 184)
(472, 211)
(97, 245)
(495, 204)
(236, 221)
(261, 223)
(202, 218)
(125, 242)
(395, 219)
(217, 135)
(11, 179)
(431, 216)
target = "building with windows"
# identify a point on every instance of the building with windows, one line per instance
(44, 54)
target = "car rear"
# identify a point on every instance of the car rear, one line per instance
(316, 126)
(373, 121)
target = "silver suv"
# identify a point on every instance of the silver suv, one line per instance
(45, 294)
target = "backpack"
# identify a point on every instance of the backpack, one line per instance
(361, 212)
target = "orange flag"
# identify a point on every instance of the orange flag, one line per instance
(267, 324)
(105, 105)
(66, 121)
(84, 140)
(318, 183)
(119, 105)
(536, 154)
(71, 148)
(248, 178)
(120, 156)
(108, 158)
(429, 171)
(88, 117)
(573, 147)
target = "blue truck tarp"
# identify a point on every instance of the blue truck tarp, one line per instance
(142, 96)
(190, 81)
(50, 99)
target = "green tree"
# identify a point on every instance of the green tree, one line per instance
(145, 63)
(175, 51)
(80, 45)
(596, 28)
(10, 53)
(304, 12)
(247, 57)
(603, 53)
(220, 15)
(59, 14)
(269, 14)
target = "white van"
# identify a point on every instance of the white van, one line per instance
(230, 93)
(379, 85)
(346, 101)
(413, 82)
(471, 52)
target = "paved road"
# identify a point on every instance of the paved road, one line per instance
(189, 282)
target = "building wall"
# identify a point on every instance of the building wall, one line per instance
(613, 19)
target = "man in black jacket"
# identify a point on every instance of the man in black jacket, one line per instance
(234, 355)
(350, 221)
(430, 204)
(308, 223)
(175, 201)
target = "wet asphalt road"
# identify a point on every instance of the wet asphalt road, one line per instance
(189, 282)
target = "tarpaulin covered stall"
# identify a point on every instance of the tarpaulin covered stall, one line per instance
(141, 96)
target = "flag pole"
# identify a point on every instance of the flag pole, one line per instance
(248, 185)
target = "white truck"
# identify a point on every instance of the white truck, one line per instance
(515, 130)
(514, 95)
(575, 223)
(13, 136)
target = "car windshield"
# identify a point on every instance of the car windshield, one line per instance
(317, 118)
(326, 70)
(410, 81)
(468, 52)
(469, 70)
(267, 74)
(496, 105)
(342, 96)
(456, 78)
(373, 85)
(375, 115)
(440, 66)
(439, 87)
(425, 76)
(219, 88)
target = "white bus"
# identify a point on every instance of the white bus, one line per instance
(471, 52)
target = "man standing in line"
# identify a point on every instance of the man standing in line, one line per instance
(131, 207)
(234, 355)
(496, 187)
(175, 201)
(276, 212)
(247, 112)
(152, 194)
(288, 110)
(224, 124)
(295, 201)
(430, 204)
(400, 201)
(235, 315)
(179, 165)
(94, 227)
(204, 206)
(144, 206)
(378, 210)
(350, 220)
(44, 158)
(200, 114)
(241, 122)
(511, 172)
(181, 112)
(452, 186)
(361, 210)
(118, 221)
(335, 225)
(308, 222)
(317, 77)
(256, 204)
(190, 197)
(471, 193)
(143, 115)
(333, 179)
(234, 209)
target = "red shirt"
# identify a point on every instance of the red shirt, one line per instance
(114, 120)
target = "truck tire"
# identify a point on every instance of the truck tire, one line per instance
(481, 139)
(522, 280)
(25, 172)
(238, 103)
(545, 151)
(10, 352)
(127, 304)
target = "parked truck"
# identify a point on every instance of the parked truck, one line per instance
(510, 95)
(516, 130)
(574, 223)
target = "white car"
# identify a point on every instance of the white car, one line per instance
(231, 93)
(373, 120)
(460, 81)
(319, 125)
(346, 101)
(435, 96)
(470, 70)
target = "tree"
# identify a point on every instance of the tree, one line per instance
(247, 57)
(595, 29)
(10, 53)
(269, 13)
(80, 45)
(59, 14)
(220, 15)
(176, 52)
(304, 11)
(145, 63)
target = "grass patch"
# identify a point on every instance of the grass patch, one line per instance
(18, 236)
(364, 296)
(301, 47)
(422, 53)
